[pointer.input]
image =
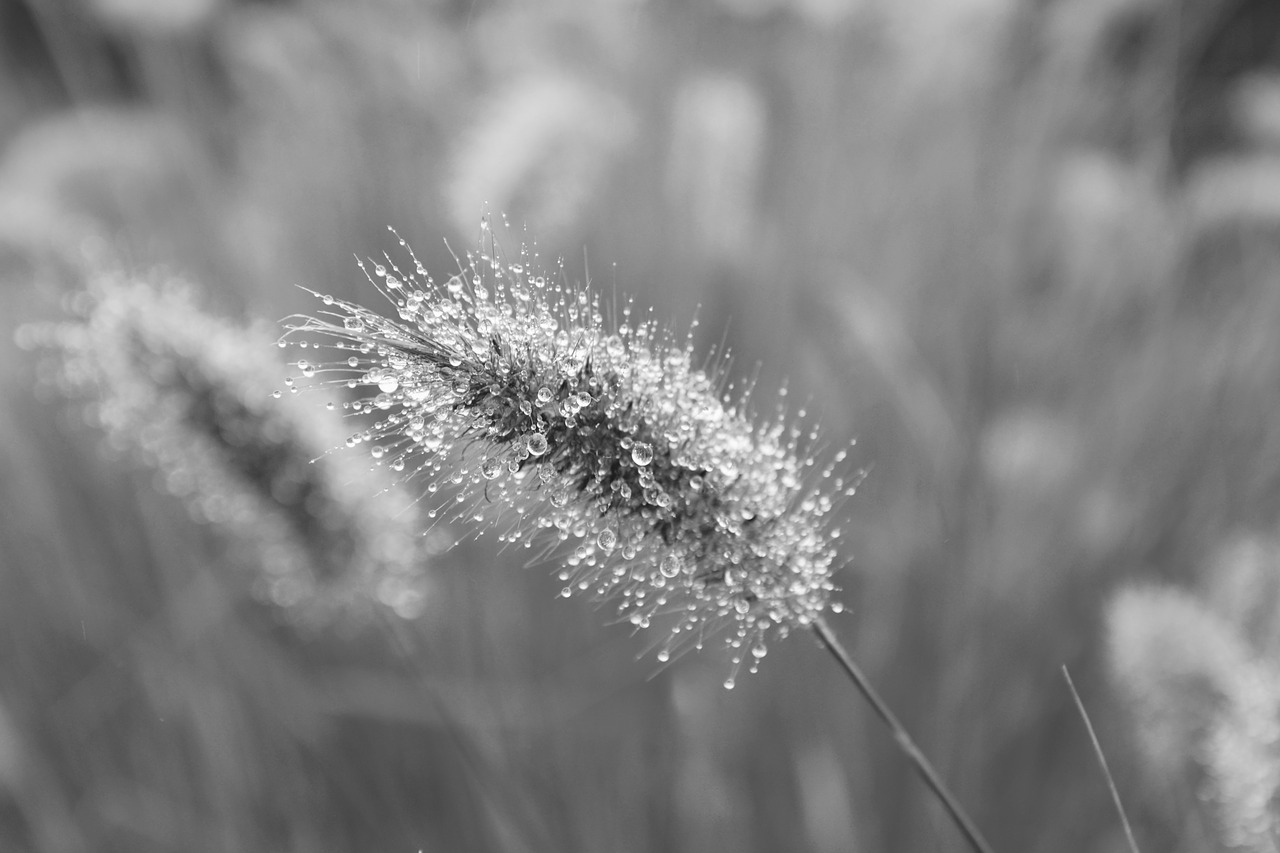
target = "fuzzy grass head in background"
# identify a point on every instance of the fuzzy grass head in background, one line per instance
(538, 418)
(1207, 711)
(190, 394)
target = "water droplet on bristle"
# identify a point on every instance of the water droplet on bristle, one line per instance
(670, 566)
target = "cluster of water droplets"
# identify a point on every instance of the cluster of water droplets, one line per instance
(518, 409)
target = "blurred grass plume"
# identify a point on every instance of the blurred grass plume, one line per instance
(190, 394)
(1206, 709)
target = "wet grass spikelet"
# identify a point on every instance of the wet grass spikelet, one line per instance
(518, 408)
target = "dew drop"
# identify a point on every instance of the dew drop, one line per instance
(491, 468)
(670, 566)
(607, 539)
(642, 453)
(353, 324)
(537, 444)
(388, 383)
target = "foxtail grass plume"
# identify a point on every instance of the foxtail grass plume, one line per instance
(1243, 762)
(519, 409)
(1173, 662)
(1207, 709)
(189, 394)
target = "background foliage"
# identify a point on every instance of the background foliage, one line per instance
(1027, 252)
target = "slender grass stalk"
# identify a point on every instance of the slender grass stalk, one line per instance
(1102, 760)
(908, 746)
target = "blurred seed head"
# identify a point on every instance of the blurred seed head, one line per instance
(190, 395)
(1242, 585)
(816, 13)
(944, 44)
(1174, 663)
(1256, 109)
(1243, 761)
(539, 150)
(1114, 240)
(718, 137)
(1229, 193)
(154, 17)
(126, 169)
(1030, 452)
(1206, 710)
(510, 395)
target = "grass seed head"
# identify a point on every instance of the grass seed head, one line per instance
(519, 409)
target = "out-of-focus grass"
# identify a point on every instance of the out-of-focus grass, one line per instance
(1019, 250)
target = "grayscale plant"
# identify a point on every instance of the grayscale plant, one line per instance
(518, 408)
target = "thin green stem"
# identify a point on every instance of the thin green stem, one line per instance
(904, 741)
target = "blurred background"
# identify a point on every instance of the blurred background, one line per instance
(1027, 252)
